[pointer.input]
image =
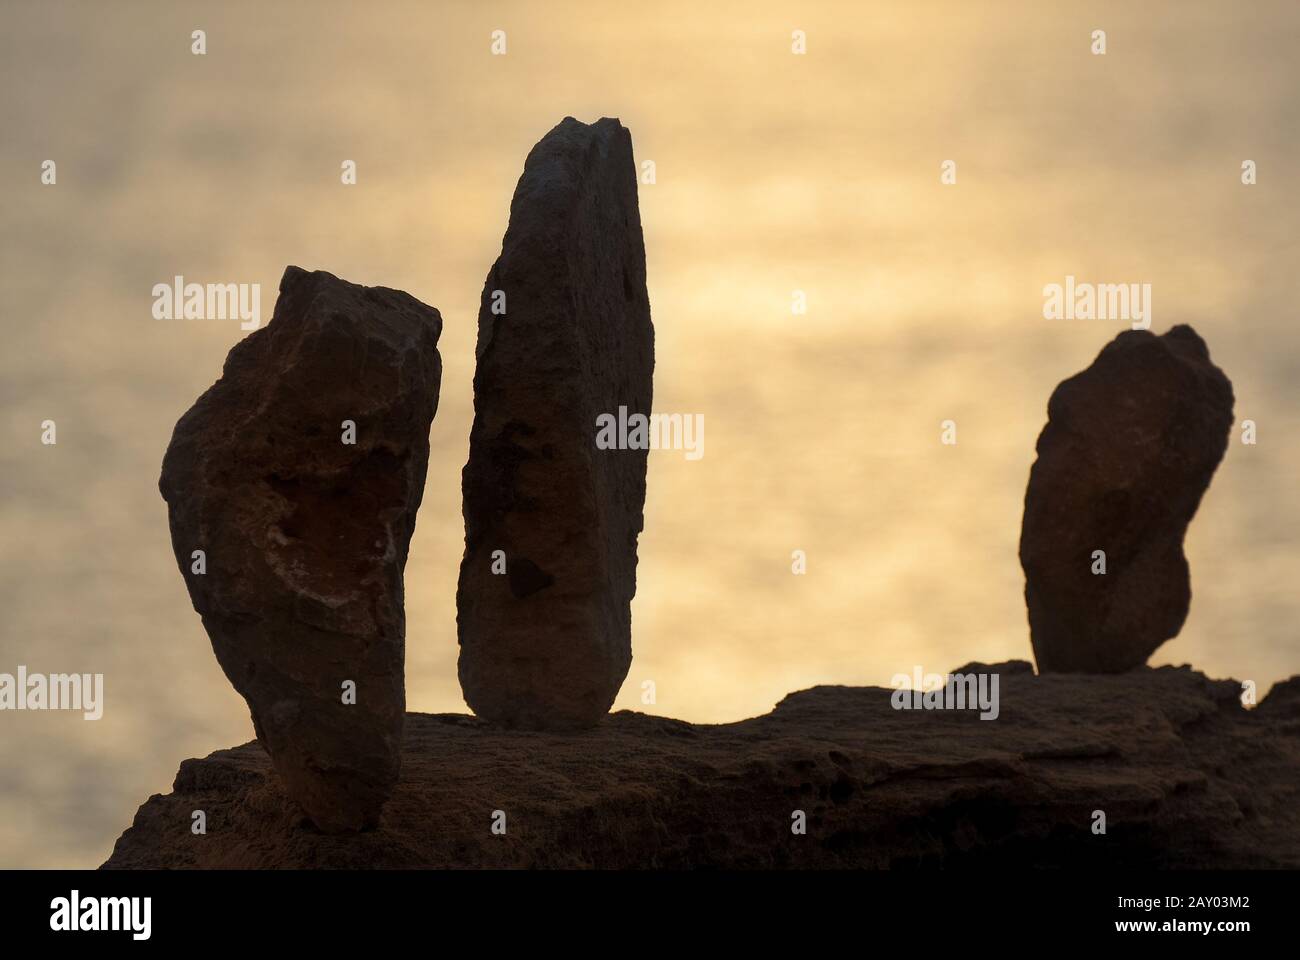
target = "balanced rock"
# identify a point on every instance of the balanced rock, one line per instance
(298, 475)
(551, 520)
(1129, 449)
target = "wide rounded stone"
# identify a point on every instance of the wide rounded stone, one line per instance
(304, 521)
(1129, 449)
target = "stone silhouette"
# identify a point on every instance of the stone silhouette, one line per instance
(551, 521)
(1129, 449)
(299, 474)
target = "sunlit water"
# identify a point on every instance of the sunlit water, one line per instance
(774, 173)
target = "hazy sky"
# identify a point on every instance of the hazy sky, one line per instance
(774, 173)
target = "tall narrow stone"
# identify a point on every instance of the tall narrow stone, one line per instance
(298, 475)
(1129, 449)
(564, 336)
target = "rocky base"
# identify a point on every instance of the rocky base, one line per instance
(1186, 777)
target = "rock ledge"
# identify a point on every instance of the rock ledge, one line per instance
(1186, 776)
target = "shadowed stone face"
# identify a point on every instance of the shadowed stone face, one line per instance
(1129, 449)
(305, 535)
(546, 643)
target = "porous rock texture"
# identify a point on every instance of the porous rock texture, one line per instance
(1128, 451)
(306, 535)
(1186, 776)
(564, 336)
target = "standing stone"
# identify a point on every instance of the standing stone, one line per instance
(306, 535)
(547, 643)
(1129, 449)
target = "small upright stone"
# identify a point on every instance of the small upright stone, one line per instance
(551, 521)
(299, 474)
(1129, 449)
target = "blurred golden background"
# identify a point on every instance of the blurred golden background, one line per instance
(774, 173)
